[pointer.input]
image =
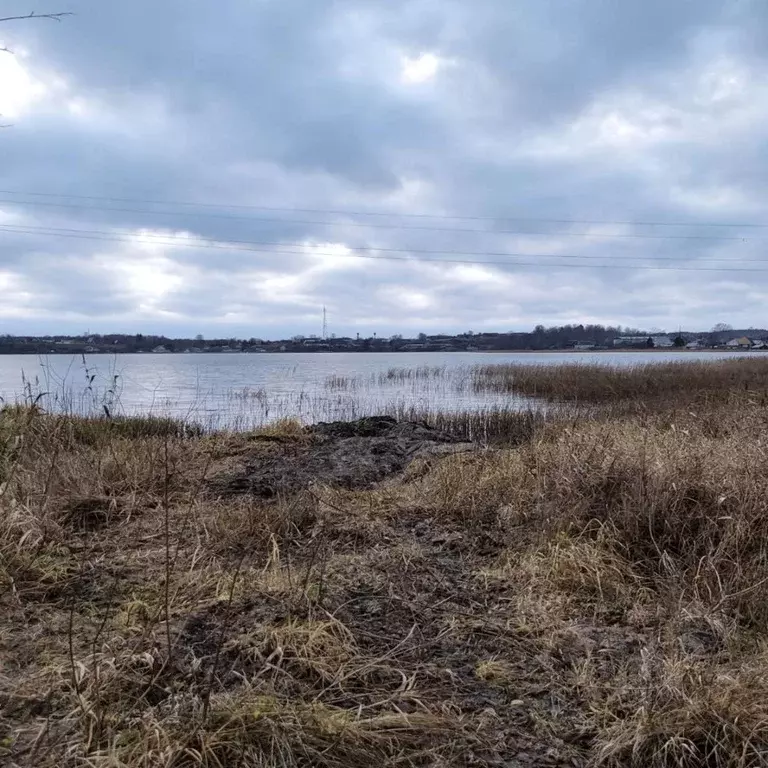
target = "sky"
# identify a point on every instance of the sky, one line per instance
(231, 168)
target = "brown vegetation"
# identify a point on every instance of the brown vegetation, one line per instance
(595, 383)
(594, 594)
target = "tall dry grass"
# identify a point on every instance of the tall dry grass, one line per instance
(159, 626)
(593, 592)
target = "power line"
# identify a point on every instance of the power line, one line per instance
(133, 235)
(368, 225)
(342, 212)
(508, 263)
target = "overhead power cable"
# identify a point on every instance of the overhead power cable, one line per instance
(302, 248)
(342, 212)
(506, 263)
(369, 225)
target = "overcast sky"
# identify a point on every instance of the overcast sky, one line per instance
(543, 136)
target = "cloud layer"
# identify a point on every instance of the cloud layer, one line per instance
(554, 130)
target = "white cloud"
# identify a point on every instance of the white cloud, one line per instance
(725, 80)
(407, 297)
(17, 301)
(19, 89)
(143, 271)
(419, 69)
(478, 275)
(332, 256)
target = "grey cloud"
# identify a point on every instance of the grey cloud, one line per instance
(298, 104)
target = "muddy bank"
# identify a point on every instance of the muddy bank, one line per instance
(354, 454)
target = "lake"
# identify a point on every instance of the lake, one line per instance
(248, 390)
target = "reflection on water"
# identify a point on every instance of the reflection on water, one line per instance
(242, 390)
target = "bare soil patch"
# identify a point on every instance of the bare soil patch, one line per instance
(348, 455)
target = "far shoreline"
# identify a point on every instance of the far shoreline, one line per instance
(566, 351)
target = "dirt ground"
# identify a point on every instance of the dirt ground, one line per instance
(339, 455)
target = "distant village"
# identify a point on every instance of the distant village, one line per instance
(568, 337)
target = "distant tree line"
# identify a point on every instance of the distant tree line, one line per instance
(540, 338)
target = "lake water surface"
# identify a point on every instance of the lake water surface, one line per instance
(246, 390)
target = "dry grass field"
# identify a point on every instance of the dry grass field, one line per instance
(593, 592)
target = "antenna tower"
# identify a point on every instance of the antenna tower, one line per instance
(325, 324)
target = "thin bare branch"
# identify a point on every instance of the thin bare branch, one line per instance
(33, 15)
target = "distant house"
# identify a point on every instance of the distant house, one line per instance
(662, 341)
(159, 349)
(759, 344)
(313, 342)
(583, 346)
(742, 342)
(695, 344)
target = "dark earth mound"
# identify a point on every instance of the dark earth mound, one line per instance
(354, 454)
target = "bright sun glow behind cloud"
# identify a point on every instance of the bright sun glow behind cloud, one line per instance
(18, 89)
(419, 69)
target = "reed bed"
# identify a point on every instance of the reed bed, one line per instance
(647, 382)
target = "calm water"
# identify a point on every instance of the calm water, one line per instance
(251, 389)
